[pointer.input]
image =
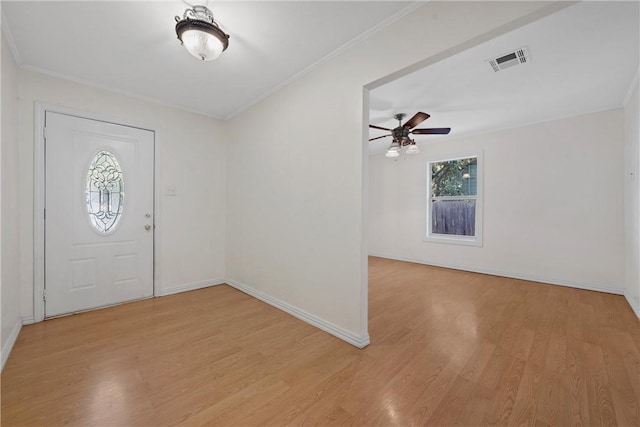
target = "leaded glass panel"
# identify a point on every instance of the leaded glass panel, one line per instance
(104, 192)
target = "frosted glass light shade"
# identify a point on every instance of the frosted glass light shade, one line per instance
(200, 34)
(394, 149)
(202, 45)
(412, 149)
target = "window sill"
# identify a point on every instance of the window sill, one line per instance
(453, 240)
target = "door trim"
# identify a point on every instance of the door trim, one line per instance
(39, 195)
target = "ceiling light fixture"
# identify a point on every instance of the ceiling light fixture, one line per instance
(200, 34)
(401, 134)
(394, 149)
(412, 148)
(396, 146)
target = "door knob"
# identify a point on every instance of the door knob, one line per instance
(147, 227)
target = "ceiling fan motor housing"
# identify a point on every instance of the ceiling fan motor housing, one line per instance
(401, 134)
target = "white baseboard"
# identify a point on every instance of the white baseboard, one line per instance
(8, 345)
(634, 304)
(336, 331)
(605, 289)
(28, 320)
(189, 287)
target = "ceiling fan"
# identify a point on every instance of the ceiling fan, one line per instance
(401, 133)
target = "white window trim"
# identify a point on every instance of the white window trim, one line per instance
(456, 240)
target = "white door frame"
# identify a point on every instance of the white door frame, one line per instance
(39, 195)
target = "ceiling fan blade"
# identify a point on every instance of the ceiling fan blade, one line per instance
(383, 136)
(432, 131)
(416, 120)
(379, 127)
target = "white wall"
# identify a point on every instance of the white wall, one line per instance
(553, 203)
(10, 273)
(190, 227)
(632, 198)
(296, 163)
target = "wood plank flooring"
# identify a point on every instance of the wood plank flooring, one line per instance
(448, 347)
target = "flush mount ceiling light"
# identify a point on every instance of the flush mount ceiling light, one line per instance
(200, 34)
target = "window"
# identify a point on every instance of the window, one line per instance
(454, 213)
(104, 193)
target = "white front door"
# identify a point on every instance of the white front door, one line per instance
(98, 213)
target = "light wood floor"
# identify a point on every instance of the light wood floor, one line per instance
(448, 347)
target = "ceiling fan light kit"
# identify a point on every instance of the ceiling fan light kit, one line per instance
(412, 148)
(401, 134)
(392, 153)
(200, 34)
(394, 149)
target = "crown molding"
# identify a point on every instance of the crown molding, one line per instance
(632, 86)
(391, 19)
(388, 21)
(88, 83)
(9, 36)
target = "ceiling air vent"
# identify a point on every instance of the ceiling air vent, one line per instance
(519, 56)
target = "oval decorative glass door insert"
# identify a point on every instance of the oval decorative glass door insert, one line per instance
(104, 192)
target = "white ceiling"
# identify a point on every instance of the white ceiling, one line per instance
(131, 46)
(583, 59)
